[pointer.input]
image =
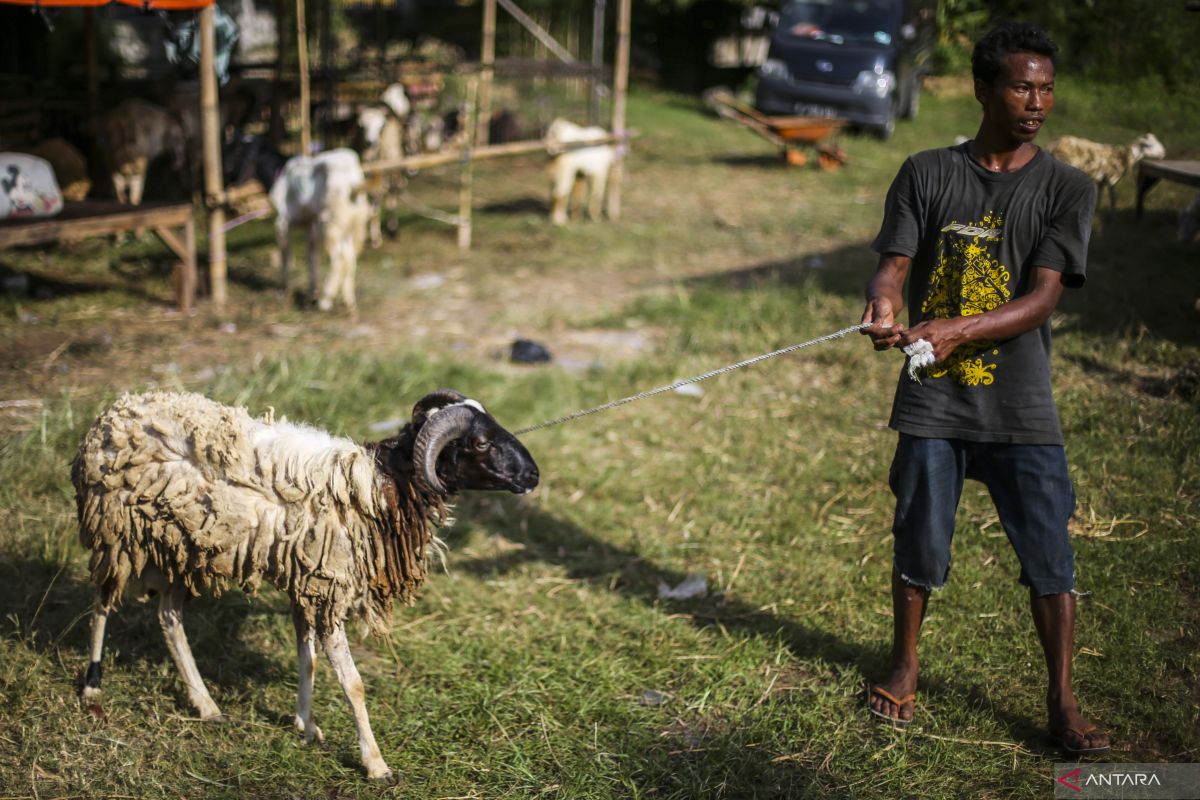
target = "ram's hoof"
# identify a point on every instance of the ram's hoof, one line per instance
(387, 778)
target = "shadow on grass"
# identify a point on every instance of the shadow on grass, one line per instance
(519, 206)
(37, 286)
(584, 557)
(49, 611)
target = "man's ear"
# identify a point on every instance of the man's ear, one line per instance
(981, 91)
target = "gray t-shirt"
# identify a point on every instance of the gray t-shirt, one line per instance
(975, 238)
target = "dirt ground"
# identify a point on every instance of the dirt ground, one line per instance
(463, 310)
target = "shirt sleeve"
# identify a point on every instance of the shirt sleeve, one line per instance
(1064, 246)
(903, 215)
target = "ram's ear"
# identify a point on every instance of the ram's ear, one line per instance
(433, 401)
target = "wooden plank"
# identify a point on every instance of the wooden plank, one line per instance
(527, 147)
(72, 226)
(172, 241)
(99, 218)
(1185, 172)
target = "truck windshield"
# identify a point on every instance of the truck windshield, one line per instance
(841, 21)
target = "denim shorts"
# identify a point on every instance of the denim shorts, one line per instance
(1028, 483)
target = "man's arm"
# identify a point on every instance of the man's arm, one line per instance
(1011, 319)
(885, 299)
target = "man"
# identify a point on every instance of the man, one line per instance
(988, 233)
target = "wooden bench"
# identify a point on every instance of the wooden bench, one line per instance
(89, 218)
(1151, 172)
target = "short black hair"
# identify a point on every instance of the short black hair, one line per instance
(987, 62)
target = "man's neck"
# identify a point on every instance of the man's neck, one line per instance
(997, 154)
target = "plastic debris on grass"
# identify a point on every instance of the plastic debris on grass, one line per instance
(694, 585)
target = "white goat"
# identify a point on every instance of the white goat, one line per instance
(1105, 163)
(131, 136)
(590, 164)
(326, 195)
(177, 494)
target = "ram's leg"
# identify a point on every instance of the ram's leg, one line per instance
(306, 657)
(91, 681)
(170, 617)
(337, 649)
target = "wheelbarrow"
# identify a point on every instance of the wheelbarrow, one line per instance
(792, 134)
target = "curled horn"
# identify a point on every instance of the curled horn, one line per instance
(435, 400)
(437, 432)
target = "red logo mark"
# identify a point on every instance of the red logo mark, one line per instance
(1074, 775)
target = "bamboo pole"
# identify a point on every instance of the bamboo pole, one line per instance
(91, 60)
(620, 87)
(597, 61)
(527, 147)
(328, 92)
(466, 186)
(278, 130)
(487, 59)
(302, 54)
(210, 133)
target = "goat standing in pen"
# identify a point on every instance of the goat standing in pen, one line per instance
(584, 164)
(130, 137)
(177, 494)
(326, 195)
(1105, 163)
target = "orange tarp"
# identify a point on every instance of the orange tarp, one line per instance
(161, 5)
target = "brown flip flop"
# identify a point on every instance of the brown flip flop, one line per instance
(898, 702)
(1060, 739)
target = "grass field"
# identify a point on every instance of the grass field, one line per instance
(544, 663)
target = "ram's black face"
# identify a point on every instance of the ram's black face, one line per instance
(487, 457)
(459, 446)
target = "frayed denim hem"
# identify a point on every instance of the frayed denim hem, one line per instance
(927, 585)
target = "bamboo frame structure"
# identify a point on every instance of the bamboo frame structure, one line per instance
(210, 132)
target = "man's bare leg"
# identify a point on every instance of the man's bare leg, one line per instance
(908, 612)
(1054, 618)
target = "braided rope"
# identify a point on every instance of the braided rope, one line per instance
(693, 379)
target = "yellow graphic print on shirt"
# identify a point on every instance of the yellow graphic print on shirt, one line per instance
(968, 280)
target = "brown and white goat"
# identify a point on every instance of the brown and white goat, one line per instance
(131, 136)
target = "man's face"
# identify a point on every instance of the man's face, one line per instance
(1019, 101)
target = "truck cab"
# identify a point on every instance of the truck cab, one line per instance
(861, 60)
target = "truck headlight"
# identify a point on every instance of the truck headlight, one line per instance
(878, 83)
(774, 68)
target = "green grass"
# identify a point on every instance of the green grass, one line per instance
(523, 671)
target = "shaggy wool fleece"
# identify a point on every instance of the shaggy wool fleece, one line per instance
(211, 496)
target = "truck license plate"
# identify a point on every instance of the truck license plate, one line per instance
(811, 110)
